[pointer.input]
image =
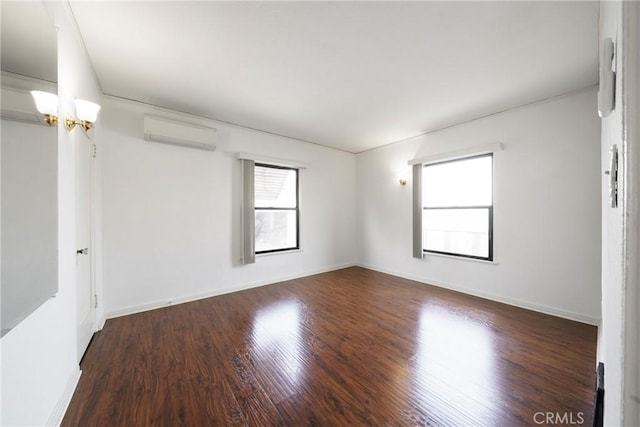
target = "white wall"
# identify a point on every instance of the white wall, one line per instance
(39, 360)
(171, 215)
(546, 208)
(29, 218)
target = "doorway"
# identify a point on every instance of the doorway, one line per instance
(85, 291)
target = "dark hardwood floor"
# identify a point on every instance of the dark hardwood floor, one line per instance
(351, 347)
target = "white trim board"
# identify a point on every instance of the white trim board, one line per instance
(452, 155)
(631, 219)
(552, 311)
(55, 419)
(195, 297)
(273, 160)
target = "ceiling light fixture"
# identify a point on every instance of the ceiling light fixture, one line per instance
(87, 112)
(47, 105)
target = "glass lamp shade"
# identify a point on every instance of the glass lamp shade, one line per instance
(46, 103)
(86, 111)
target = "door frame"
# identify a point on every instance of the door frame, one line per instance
(97, 317)
(631, 215)
(96, 230)
(86, 325)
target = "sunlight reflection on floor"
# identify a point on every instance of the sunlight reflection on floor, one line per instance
(455, 363)
(277, 336)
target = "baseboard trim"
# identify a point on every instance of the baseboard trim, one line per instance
(194, 297)
(55, 419)
(100, 323)
(553, 311)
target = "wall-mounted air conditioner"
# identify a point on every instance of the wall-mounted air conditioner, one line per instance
(18, 105)
(166, 131)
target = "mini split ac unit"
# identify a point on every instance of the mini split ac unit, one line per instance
(18, 105)
(158, 129)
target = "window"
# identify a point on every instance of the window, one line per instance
(276, 208)
(457, 207)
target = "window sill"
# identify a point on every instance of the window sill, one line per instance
(459, 258)
(278, 253)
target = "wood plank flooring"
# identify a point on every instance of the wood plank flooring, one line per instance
(351, 347)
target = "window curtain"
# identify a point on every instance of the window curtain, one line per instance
(417, 210)
(248, 212)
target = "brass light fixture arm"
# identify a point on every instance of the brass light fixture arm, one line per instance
(70, 123)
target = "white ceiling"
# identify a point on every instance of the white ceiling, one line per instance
(349, 75)
(28, 40)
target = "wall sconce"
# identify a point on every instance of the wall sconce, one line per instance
(87, 114)
(402, 176)
(47, 105)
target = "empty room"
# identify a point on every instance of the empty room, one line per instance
(320, 213)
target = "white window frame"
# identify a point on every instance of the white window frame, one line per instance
(435, 157)
(248, 162)
(489, 209)
(296, 209)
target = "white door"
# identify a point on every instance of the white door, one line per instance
(84, 293)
